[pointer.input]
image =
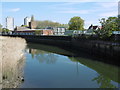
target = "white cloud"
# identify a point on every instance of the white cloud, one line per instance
(89, 22)
(75, 11)
(108, 4)
(108, 14)
(98, 8)
(106, 9)
(14, 10)
(64, 6)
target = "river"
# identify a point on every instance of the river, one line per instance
(52, 67)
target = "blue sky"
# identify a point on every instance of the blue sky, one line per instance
(60, 12)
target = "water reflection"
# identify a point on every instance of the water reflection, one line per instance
(106, 77)
(43, 56)
(104, 82)
(106, 72)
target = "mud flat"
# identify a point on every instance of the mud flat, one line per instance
(11, 61)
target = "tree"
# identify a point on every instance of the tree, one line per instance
(76, 23)
(64, 25)
(0, 28)
(108, 25)
(47, 23)
(5, 30)
(119, 22)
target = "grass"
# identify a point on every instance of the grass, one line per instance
(11, 52)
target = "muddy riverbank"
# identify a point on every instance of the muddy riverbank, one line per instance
(11, 61)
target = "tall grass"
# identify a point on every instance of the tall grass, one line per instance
(11, 60)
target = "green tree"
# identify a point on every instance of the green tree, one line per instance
(64, 25)
(76, 23)
(0, 28)
(108, 25)
(5, 30)
(119, 22)
(47, 23)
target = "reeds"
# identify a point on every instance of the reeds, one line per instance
(11, 54)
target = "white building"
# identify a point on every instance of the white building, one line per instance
(10, 23)
(59, 31)
(27, 20)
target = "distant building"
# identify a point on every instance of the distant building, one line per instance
(49, 28)
(59, 31)
(19, 28)
(92, 28)
(69, 32)
(47, 32)
(10, 23)
(32, 24)
(73, 32)
(27, 20)
(34, 32)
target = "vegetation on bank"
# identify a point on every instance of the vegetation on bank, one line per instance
(3, 30)
(12, 60)
(108, 26)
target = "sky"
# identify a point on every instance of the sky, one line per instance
(90, 11)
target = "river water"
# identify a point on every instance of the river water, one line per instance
(52, 67)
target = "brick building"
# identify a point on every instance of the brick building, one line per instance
(32, 24)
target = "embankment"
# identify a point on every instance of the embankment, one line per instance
(12, 61)
(106, 50)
